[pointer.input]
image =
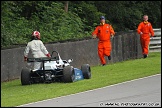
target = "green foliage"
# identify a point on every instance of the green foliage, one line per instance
(126, 15)
(88, 13)
(20, 18)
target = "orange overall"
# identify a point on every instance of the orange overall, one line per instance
(104, 33)
(145, 30)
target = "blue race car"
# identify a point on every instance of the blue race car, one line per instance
(54, 69)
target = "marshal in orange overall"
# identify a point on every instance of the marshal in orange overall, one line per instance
(145, 30)
(103, 32)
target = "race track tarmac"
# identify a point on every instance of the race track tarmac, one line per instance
(143, 92)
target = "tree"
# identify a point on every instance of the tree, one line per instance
(66, 6)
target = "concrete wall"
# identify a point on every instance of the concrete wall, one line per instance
(124, 46)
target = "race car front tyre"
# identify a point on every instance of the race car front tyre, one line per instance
(25, 77)
(85, 68)
(68, 74)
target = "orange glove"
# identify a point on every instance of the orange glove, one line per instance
(48, 55)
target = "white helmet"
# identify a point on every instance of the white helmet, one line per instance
(36, 34)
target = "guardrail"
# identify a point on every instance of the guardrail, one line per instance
(155, 42)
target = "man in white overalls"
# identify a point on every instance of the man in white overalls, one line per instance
(37, 48)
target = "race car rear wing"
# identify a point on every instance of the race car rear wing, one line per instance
(43, 59)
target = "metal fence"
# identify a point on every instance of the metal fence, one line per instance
(155, 42)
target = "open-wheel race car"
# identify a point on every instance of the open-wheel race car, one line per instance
(54, 69)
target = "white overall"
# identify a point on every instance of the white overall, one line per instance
(38, 50)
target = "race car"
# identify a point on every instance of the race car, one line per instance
(54, 69)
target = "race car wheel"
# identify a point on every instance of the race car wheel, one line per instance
(25, 77)
(68, 74)
(85, 68)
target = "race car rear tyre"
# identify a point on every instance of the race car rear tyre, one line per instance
(85, 68)
(68, 74)
(25, 77)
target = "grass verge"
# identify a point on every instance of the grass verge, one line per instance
(14, 94)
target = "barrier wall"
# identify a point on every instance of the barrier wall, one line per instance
(155, 42)
(125, 46)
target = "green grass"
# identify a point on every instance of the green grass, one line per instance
(14, 94)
